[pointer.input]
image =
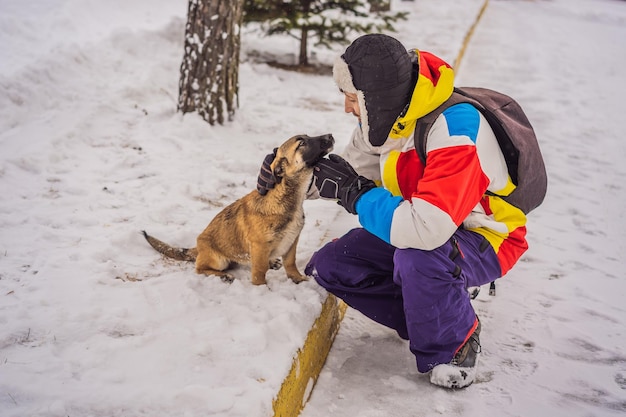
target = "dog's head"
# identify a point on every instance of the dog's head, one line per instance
(299, 154)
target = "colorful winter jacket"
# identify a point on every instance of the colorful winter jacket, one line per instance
(422, 206)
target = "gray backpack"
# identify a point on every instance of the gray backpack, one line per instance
(516, 138)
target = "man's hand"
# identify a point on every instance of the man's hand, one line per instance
(266, 180)
(336, 179)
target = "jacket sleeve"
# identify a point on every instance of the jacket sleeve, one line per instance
(453, 184)
(362, 156)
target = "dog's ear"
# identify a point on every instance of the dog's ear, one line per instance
(279, 170)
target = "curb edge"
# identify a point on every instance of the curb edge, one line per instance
(309, 360)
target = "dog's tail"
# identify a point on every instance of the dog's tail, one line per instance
(180, 254)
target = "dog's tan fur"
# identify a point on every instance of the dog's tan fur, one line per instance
(258, 229)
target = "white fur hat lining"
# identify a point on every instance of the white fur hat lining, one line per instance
(343, 79)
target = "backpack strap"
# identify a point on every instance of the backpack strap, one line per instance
(424, 123)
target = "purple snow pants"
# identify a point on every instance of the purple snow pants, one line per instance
(421, 294)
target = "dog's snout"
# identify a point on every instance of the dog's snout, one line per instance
(316, 147)
(326, 140)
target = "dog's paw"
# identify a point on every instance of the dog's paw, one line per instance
(259, 281)
(276, 263)
(227, 278)
(298, 278)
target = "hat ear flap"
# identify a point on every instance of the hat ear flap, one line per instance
(343, 79)
(342, 76)
(365, 126)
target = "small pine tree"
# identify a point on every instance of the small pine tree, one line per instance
(327, 21)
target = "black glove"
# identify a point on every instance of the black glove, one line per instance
(335, 178)
(266, 180)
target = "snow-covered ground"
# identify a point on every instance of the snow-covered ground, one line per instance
(94, 323)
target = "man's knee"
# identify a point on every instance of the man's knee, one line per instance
(423, 264)
(319, 265)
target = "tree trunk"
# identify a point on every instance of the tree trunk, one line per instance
(210, 69)
(380, 5)
(303, 59)
(304, 34)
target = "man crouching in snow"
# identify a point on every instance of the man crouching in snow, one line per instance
(429, 231)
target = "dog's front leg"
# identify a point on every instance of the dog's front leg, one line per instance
(259, 263)
(289, 262)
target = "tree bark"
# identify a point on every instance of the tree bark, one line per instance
(304, 38)
(303, 59)
(209, 73)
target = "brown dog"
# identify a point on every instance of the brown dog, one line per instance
(258, 229)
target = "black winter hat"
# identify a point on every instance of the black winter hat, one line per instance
(379, 69)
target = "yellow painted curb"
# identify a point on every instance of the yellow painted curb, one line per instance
(307, 365)
(468, 36)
